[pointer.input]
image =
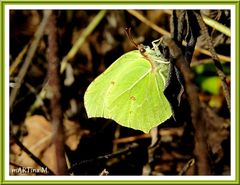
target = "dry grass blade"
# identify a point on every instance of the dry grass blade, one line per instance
(97, 19)
(18, 60)
(216, 25)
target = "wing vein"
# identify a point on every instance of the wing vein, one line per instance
(135, 83)
(160, 98)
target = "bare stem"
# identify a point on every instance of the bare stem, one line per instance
(130, 148)
(55, 93)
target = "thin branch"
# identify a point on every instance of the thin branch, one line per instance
(55, 93)
(31, 155)
(149, 23)
(201, 62)
(39, 102)
(208, 53)
(164, 32)
(131, 138)
(37, 36)
(216, 59)
(105, 157)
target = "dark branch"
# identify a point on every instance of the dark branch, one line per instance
(105, 157)
(55, 92)
(31, 155)
(198, 122)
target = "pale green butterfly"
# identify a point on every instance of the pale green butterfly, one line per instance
(130, 91)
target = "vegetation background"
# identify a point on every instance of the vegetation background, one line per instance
(88, 41)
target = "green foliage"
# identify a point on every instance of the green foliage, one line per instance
(207, 79)
(211, 85)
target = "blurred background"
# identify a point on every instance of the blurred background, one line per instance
(89, 139)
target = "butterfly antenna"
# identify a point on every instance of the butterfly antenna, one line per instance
(129, 35)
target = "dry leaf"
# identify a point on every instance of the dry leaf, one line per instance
(39, 142)
(217, 131)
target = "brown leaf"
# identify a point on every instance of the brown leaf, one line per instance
(73, 134)
(217, 132)
(39, 142)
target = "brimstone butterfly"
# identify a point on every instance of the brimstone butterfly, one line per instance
(130, 91)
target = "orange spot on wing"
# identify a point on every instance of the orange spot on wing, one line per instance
(133, 98)
(112, 82)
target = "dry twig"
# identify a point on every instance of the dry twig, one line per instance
(130, 148)
(55, 93)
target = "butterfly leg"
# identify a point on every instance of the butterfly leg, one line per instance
(155, 45)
